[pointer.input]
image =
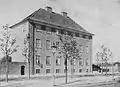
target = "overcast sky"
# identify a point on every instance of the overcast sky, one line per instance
(100, 17)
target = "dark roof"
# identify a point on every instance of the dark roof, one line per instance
(55, 18)
(117, 63)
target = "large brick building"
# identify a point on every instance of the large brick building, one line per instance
(42, 26)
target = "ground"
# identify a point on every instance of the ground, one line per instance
(91, 81)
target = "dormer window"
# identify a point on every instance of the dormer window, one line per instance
(83, 36)
(53, 30)
(77, 34)
(43, 27)
(62, 31)
(68, 33)
(90, 37)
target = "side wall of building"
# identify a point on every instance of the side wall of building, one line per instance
(20, 30)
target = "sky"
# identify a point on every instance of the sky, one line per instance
(100, 17)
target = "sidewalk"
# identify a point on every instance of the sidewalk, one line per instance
(60, 82)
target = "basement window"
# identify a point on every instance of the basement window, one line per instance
(37, 70)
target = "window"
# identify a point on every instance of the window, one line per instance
(74, 70)
(38, 43)
(48, 62)
(65, 70)
(62, 32)
(57, 43)
(73, 62)
(69, 33)
(81, 48)
(77, 34)
(37, 59)
(87, 63)
(80, 70)
(48, 44)
(53, 30)
(58, 60)
(37, 70)
(57, 70)
(80, 62)
(86, 70)
(87, 49)
(43, 27)
(90, 37)
(83, 36)
(47, 71)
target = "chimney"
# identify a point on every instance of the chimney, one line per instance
(64, 14)
(49, 9)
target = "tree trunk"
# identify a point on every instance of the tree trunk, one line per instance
(6, 68)
(66, 74)
(72, 68)
(66, 70)
(28, 69)
(106, 68)
(102, 67)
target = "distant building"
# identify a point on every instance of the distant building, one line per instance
(96, 68)
(115, 67)
(42, 28)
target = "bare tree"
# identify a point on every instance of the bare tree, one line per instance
(26, 52)
(69, 49)
(103, 56)
(7, 45)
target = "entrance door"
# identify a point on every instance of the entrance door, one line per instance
(22, 70)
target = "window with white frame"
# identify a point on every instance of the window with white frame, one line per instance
(87, 70)
(80, 70)
(73, 62)
(87, 49)
(48, 60)
(38, 59)
(48, 71)
(87, 62)
(57, 70)
(80, 62)
(37, 70)
(38, 43)
(57, 43)
(74, 70)
(81, 48)
(48, 44)
(58, 59)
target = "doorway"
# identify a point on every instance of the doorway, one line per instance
(23, 70)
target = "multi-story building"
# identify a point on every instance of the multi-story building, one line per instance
(42, 27)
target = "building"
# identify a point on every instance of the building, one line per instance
(14, 68)
(111, 67)
(42, 28)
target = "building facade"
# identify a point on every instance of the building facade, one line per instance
(42, 27)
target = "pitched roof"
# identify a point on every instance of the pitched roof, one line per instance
(55, 18)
